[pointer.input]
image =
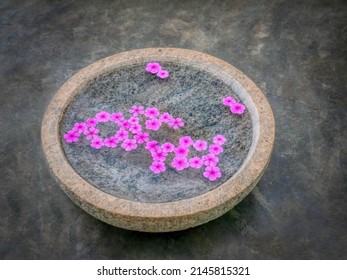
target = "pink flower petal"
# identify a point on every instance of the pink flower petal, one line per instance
(168, 147)
(186, 141)
(219, 139)
(157, 167)
(228, 101)
(196, 162)
(153, 67)
(181, 151)
(103, 116)
(215, 149)
(200, 145)
(152, 113)
(163, 74)
(180, 163)
(237, 108)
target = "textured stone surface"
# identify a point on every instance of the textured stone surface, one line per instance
(132, 210)
(294, 50)
(189, 93)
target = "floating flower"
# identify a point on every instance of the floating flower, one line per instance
(136, 128)
(111, 142)
(212, 173)
(181, 151)
(129, 144)
(165, 118)
(215, 149)
(136, 110)
(186, 141)
(117, 117)
(219, 139)
(92, 122)
(180, 163)
(210, 160)
(152, 113)
(158, 167)
(168, 147)
(153, 124)
(237, 108)
(141, 137)
(97, 143)
(134, 120)
(163, 74)
(176, 123)
(79, 127)
(196, 162)
(200, 145)
(71, 136)
(91, 133)
(103, 117)
(153, 67)
(152, 146)
(125, 124)
(121, 135)
(158, 155)
(228, 101)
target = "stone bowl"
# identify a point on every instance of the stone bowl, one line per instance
(117, 187)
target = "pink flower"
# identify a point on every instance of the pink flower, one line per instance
(158, 155)
(152, 146)
(136, 110)
(196, 162)
(111, 142)
(167, 147)
(228, 101)
(79, 127)
(136, 128)
(125, 124)
(141, 137)
(103, 116)
(163, 74)
(71, 136)
(91, 133)
(212, 173)
(92, 122)
(152, 113)
(97, 143)
(185, 141)
(153, 124)
(176, 123)
(117, 117)
(215, 149)
(237, 108)
(200, 145)
(219, 139)
(129, 144)
(153, 67)
(158, 167)
(134, 120)
(180, 163)
(165, 118)
(121, 135)
(210, 160)
(181, 151)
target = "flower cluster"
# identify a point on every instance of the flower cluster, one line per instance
(134, 131)
(155, 68)
(235, 107)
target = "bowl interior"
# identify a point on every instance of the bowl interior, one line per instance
(190, 93)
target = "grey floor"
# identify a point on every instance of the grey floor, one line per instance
(295, 51)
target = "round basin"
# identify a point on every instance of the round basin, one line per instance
(117, 186)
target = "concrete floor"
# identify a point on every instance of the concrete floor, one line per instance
(295, 51)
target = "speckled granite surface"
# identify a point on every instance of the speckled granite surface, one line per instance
(189, 93)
